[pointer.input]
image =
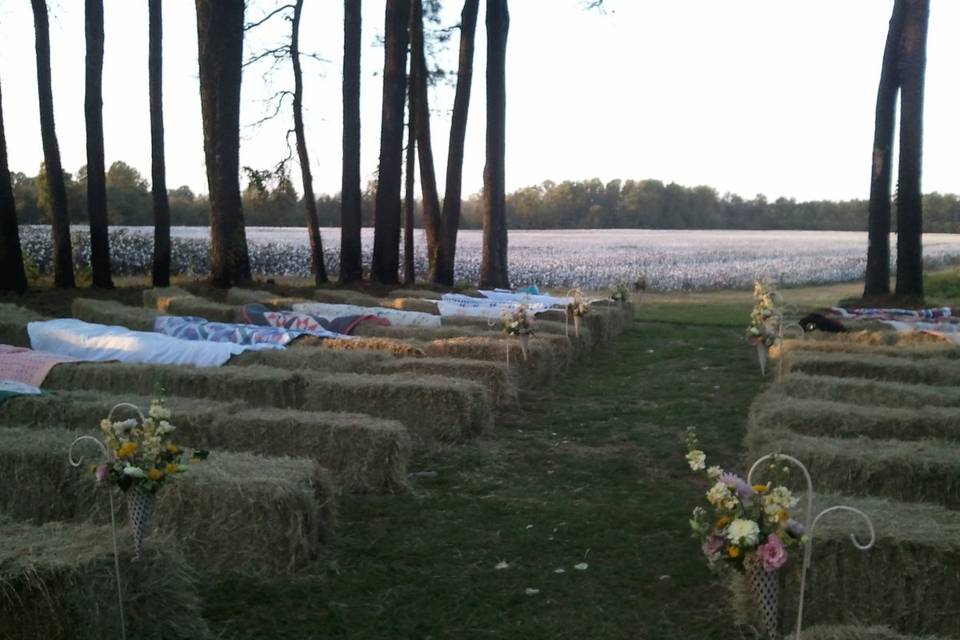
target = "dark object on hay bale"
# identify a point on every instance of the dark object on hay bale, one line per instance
(820, 322)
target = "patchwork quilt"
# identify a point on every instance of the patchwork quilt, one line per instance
(191, 328)
(315, 325)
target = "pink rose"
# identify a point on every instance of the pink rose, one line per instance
(712, 546)
(102, 473)
(772, 553)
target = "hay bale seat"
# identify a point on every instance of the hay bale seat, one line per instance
(495, 376)
(232, 512)
(827, 632)
(824, 418)
(907, 582)
(110, 312)
(460, 408)
(364, 454)
(917, 351)
(239, 297)
(57, 582)
(586, 341)
(410, 304)
(179, 302)
(865, 392)
(875, 333)
(545, 357)
(424, 294)
(931, 371)
(13, 324)
(344, 296)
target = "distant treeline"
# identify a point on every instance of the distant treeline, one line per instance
(588, 204)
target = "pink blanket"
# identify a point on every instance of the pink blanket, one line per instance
(26, 365)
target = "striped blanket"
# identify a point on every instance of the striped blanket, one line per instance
(453, 304)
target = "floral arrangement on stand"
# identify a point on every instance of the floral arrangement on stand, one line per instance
(640, 284)
(518, 322)
(620, 293)
(747, 528)
(765, 321)
(577, 309)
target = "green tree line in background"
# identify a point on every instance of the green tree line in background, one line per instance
(272, 200)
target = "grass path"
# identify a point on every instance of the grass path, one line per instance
(590, 471)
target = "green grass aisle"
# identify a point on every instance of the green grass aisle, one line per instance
(581, 500)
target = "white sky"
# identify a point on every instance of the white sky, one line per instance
(749, 96)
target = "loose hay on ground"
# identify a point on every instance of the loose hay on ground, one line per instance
(866, 392)
(13, 324)
(113, 313)
(231, 512)
(932, 371)
(57, 582)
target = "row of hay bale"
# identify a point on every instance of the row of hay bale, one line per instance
(878, 427)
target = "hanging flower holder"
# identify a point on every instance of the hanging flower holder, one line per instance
(139, 509)
(576, 325)
(765, 590)
(763, 355)
(524, 340)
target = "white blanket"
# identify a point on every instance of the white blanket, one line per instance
(395, 316)
(101, 343)
(454, 304)
(499, 295)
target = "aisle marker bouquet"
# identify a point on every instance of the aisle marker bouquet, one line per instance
(619, 293)
(518, 321)
(766, 315)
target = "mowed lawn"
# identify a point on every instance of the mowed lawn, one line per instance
(589, 471)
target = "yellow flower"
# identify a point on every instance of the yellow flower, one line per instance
(734, 551)
(722, 521)
(127, 449)
(155, 474)
(173, 449)
(761, 488)
(783, 516)
(172, 468)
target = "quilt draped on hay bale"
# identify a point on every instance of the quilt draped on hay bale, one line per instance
(232, 512)
(57, 581)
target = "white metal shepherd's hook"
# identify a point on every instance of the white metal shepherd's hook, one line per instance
(811, 524)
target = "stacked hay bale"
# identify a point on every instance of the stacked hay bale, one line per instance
(878, 427)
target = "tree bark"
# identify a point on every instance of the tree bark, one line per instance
(386, 234)
(158, 166)
(317, 266)
(447, 248)
(877, 278)
(420, 116)
(96, 169)
(911, 68)
(409, 201)
(220, 49)
(59, 216)
(12, 275)
(351, 253)
(493, 262)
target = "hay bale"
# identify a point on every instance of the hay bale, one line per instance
(373, 330)
(432, 408)
(495, 376)
(57, 583)
(546, 357)
(425, 294)
(239, 297)
(876, 334)
(365, 454)
(158, 298)
(109, 312)
(397, 348)
(908, 581)
(904, 350)
(260, 386)
(179, 302)
(821, 417)
(306, 357)
(231, 512)
(922, 471)
(344, 296)
(849, 632)
(931, 371)
(866, 392)
(13, 324)
(410, 304)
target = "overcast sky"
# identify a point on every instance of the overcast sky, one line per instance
(748, 96)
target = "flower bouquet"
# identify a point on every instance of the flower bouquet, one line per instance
(519, 322)
(620, 293)
(747, 529)
(143, 459)
(765, 321)
(577, 309)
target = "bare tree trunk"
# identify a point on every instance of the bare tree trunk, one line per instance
(12, 275)
(351, 254)
(493, 262)
(912, 64)
(96, 171)
(447, 248)
(161, 205)
(409, 202)
(386, 234)
(420, 115)
(877, 278)
(57, 190)
(220, 47)
(309, 201)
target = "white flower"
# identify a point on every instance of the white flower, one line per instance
(714, 472)
(503, 564)
(720, 496)
(531, 591)
(777, 500)
(165, 428)
(158, 411)
(134, 472)
(697, 460)
(581, 566)
(743, 532)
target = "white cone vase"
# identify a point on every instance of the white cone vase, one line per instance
(576, 326)
(139, 509)
(763, 354)
(524, 340)
(765, 590)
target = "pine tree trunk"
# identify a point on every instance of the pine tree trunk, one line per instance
(12, 275)
(317, 266)
(96, 171)
(57, 190)
(158, 166)
(409, 201)
(420, 114)
(447, 249)
(220, 49)
(912, 64)
(493, 263)
(351, 252)
(386, 234)
(877, 278)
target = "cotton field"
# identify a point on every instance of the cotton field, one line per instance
(671, 260)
